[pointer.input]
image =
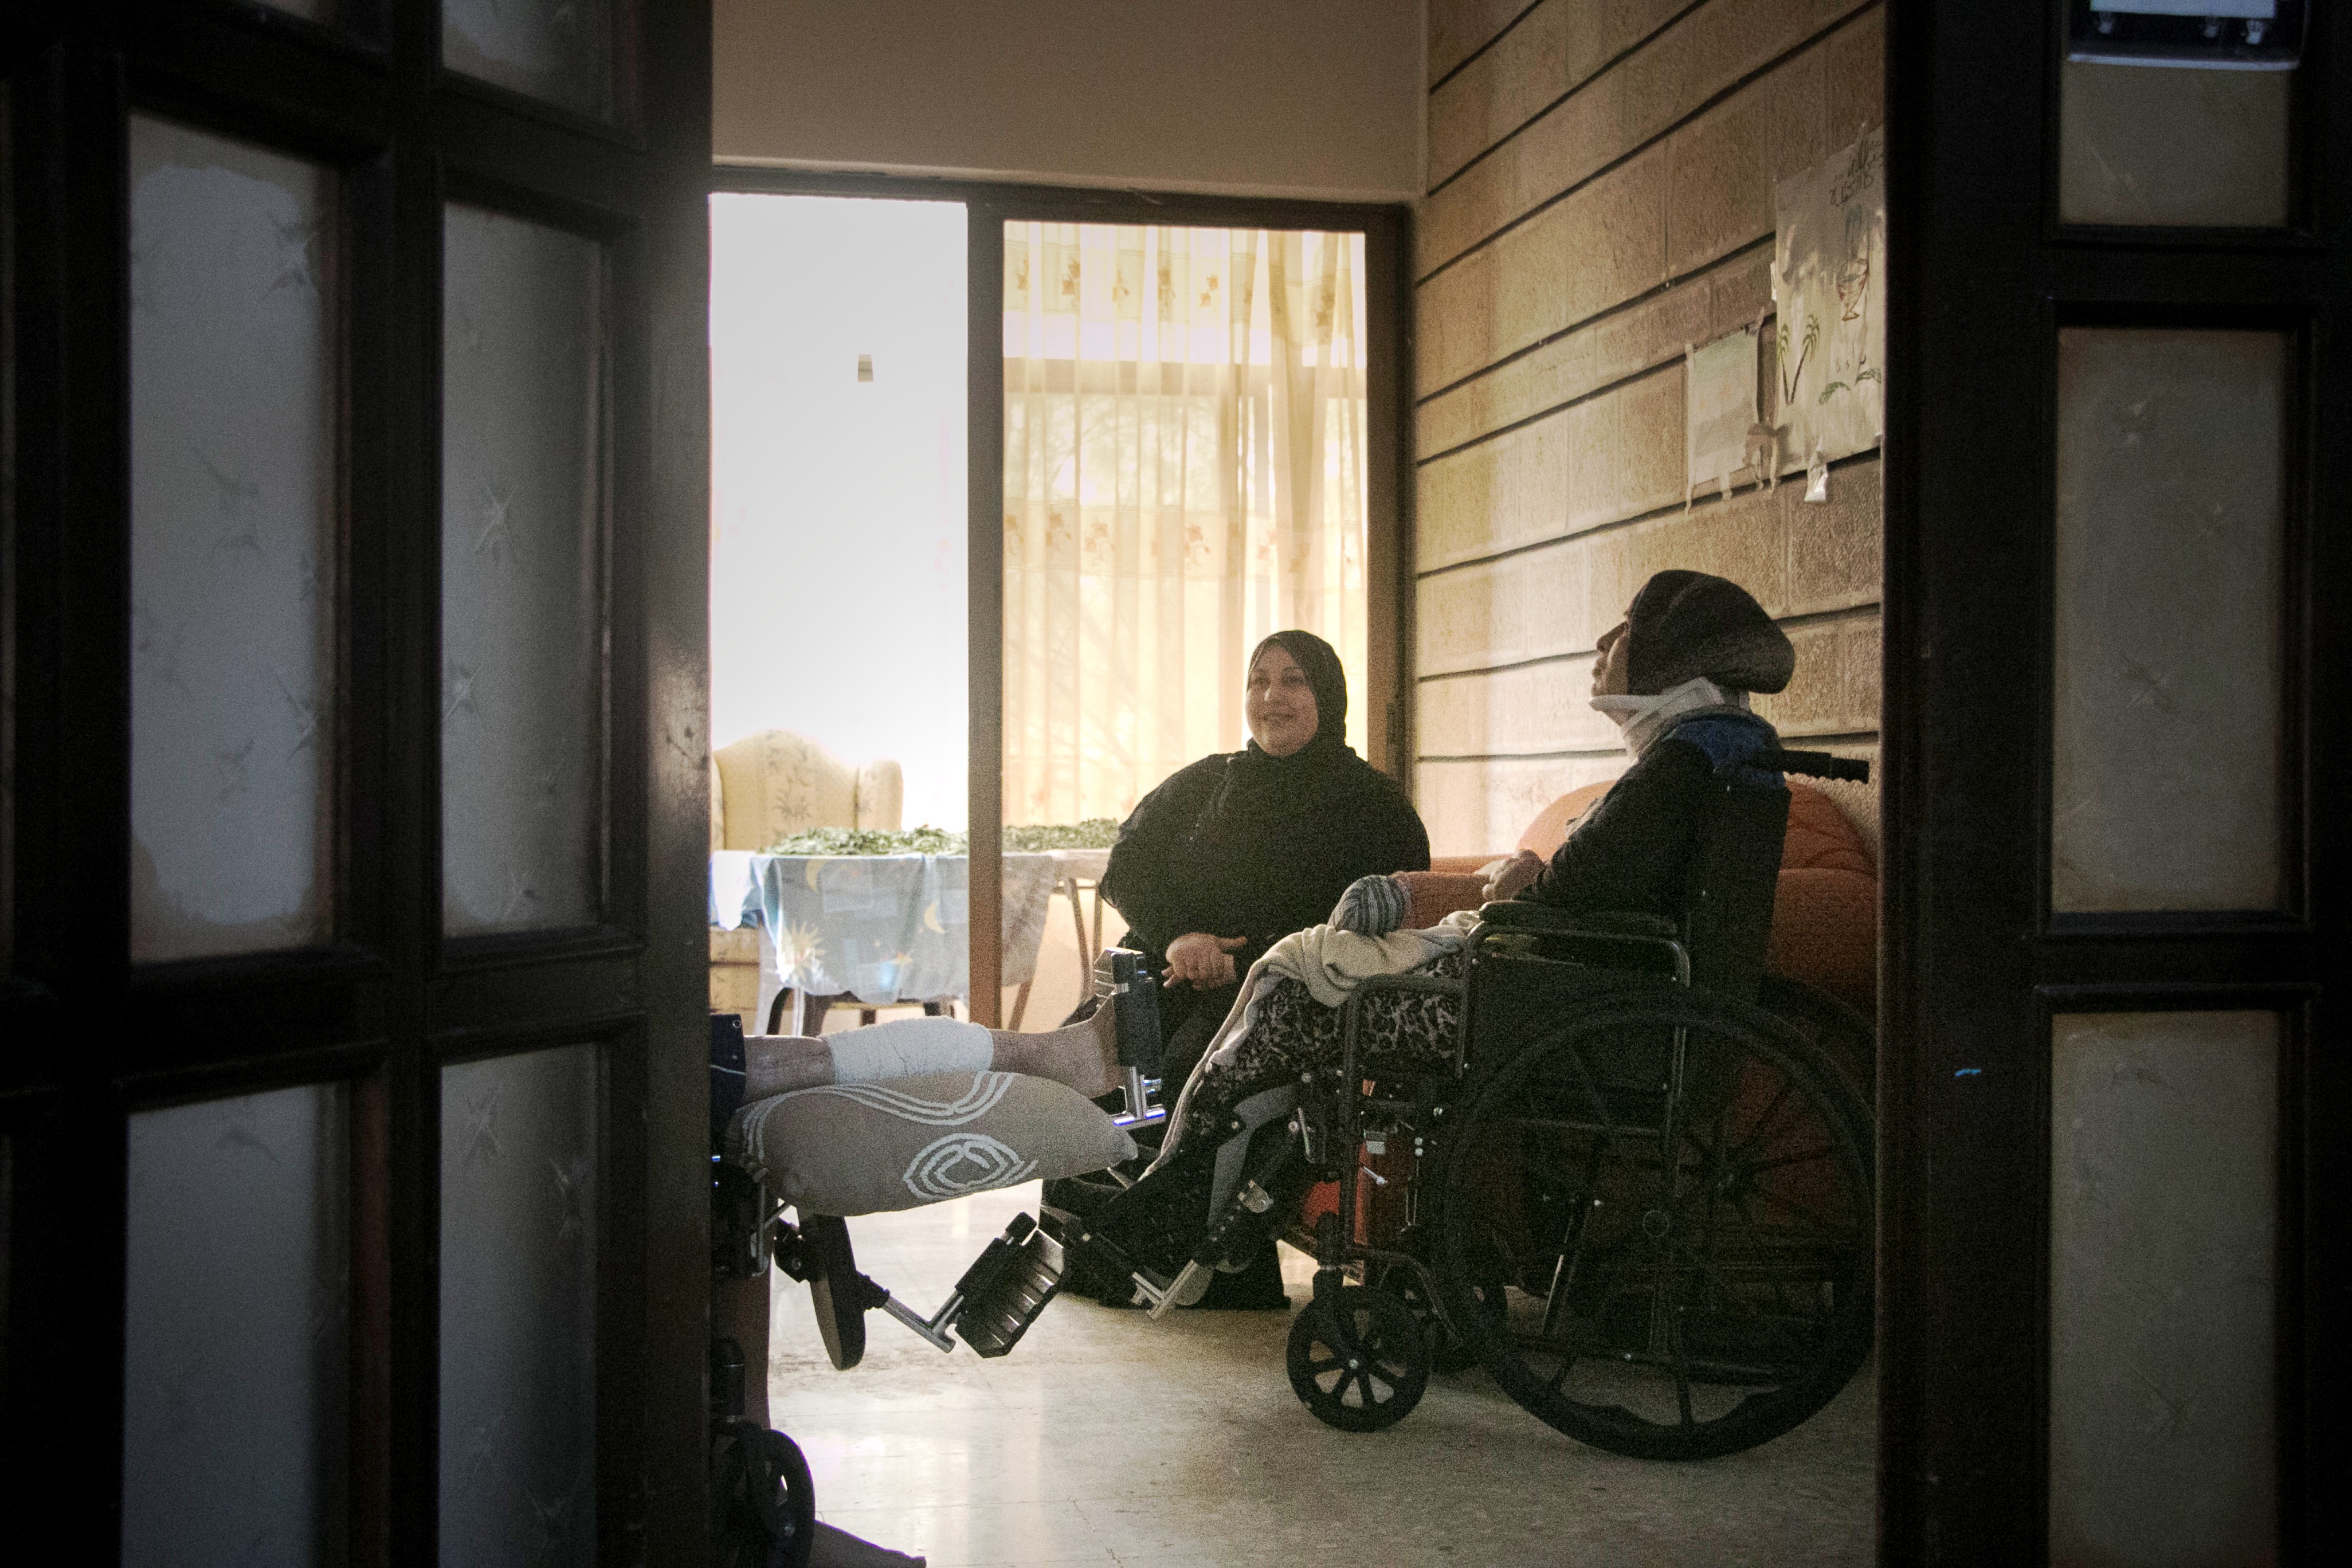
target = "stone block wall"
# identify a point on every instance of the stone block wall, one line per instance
(1601, 195)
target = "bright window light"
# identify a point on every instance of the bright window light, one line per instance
(838, 483)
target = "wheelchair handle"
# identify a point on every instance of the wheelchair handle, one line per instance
(1812, 764)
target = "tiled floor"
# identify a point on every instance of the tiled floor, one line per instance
(1105, 1438)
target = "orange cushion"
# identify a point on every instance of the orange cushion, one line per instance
(1549, 831)
(1825, 914)
(1821, 837)
(1437, 894)
(1825, 932)
(1443, 863)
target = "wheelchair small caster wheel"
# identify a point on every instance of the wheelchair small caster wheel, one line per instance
(1358, 1359)
(764, 1505)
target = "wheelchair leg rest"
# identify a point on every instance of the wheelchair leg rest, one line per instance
(1248, 1216)
(1150, 1288)
(1189, 1286)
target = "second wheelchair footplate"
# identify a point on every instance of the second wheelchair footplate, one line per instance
(1244, 1211)
(1003, 1292)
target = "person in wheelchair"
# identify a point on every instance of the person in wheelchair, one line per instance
(1675, 675)
(1632, 1184)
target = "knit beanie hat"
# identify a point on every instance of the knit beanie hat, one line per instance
(1686, 624)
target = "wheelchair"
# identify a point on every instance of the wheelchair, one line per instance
(1639, 1190)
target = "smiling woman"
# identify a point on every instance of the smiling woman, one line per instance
(1241, 848)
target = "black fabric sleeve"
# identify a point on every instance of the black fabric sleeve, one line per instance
(1401, 840)
(1142, 880)
(1382, 834)
(1629, 850)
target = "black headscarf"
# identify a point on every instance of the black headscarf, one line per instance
(1249, 843)
(1256, 778)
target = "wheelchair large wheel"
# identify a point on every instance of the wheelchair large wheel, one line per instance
(1690, 1180)
(1846, 1036)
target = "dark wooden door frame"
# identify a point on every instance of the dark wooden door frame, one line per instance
(1389, 536)
(1982, 275)
(91, 1040)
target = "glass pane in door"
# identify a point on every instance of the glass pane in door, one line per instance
(232, 525)
(519, 1206)
(235, 1392)
(521, 586)
(2140, 144)
(2164, 1162)
(557, 50)
(2167, 724)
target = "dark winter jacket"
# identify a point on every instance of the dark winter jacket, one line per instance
(1631, 851)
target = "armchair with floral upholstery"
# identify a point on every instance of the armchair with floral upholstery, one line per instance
(763, 789)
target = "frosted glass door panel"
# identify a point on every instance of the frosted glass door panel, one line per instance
(235, 1338)
(2163, 1283)
(2167, 736)
(522, 686)
(233, 485)
(2156, 146)
(557, 50)
(518, 1213)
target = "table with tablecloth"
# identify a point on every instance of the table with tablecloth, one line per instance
(880, 929)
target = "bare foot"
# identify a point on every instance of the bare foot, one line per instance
(778, 1064)
(839, 1549)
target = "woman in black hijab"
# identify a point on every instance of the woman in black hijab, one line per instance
(1241, 849)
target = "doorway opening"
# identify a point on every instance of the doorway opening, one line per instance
(839, 595)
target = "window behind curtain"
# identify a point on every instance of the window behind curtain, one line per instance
(1184, 472)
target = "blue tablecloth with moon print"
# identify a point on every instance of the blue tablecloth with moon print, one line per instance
(881, 928)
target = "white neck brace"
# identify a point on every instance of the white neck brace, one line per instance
(1645, 719)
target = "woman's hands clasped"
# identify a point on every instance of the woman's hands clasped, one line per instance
(1201, 960)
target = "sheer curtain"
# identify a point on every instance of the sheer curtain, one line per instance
(1184, 472)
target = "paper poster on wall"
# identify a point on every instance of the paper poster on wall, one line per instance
(1720, 407)
(1828, 271)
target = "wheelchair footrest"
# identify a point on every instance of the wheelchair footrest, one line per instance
(1007, 1287)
